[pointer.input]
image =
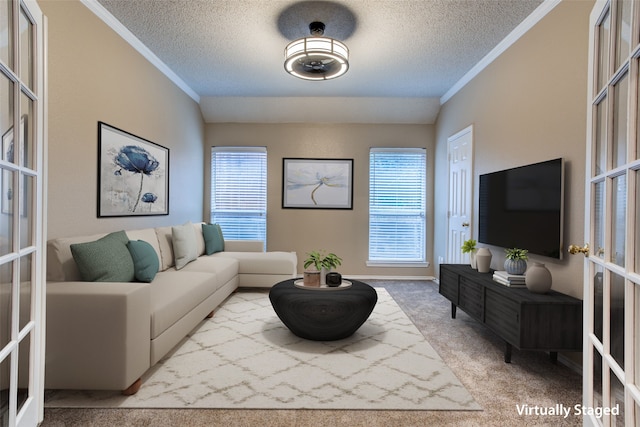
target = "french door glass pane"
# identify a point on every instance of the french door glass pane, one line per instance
(620, 99)
(26, 211)
(597, 379)
(26, 50)
(598, 219)
(26, 286)
(598, 302)
(623, 33)
(600, 150)
(636, 266)
(617, 400)
(616, 322)
(636, 336)
(618, 219)
(6, 115)
(4, 391)
(26, 124)
(23, 370)
(6, 273)
(603, 52)
(6, 210)
(6, 47)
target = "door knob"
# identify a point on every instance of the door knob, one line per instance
(575, 249)
(465, 224)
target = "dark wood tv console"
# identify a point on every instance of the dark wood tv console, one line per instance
(524, 320)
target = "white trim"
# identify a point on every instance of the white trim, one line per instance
(401, 264)
(535, 17)
(128, 36)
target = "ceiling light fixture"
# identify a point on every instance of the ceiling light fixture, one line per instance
(316, 57)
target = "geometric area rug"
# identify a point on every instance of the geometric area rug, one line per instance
(245, 358)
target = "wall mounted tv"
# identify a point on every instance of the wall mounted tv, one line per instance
(522, 207)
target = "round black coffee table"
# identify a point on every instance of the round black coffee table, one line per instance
(325, 314)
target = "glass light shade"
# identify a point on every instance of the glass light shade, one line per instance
(316, 58)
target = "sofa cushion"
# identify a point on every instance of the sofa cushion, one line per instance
(224, 268)
(213, 238)
(263, 262)
(145, 260)
(184, 244)
(176, 293)
(105, 260)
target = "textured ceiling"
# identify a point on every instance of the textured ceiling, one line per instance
(398, 48)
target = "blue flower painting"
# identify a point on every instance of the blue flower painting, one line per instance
(133, 174)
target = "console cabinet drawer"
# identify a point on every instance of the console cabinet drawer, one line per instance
(471, 298)
(503, 316)
(449, 285)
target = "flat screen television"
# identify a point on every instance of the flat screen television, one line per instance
(522, 208)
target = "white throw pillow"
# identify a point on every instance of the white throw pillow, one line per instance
(185, 248)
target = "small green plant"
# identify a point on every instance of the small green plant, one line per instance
(516, 254)
(319, 259)
(468, 246)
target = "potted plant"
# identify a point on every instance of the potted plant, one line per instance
(322, 263)
(469, 247)
(516, 262)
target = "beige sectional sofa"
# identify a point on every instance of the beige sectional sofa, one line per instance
(105, 335)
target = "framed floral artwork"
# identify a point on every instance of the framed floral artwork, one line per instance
(317, 183)
(133, 174)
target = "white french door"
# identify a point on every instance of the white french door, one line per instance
(611, 358)
(460, 213)
(22, 123)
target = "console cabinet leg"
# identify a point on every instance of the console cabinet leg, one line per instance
(453, 311)
(507, 353)
(553, 355)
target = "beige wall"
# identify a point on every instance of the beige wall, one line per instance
(94, 75)
(344, 232)
(528, 106)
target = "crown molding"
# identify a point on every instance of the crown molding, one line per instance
(535, 17)
(128, 36)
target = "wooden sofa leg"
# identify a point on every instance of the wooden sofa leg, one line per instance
(133, 388)
(210, 315)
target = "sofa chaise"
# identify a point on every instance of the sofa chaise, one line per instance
(103, 335)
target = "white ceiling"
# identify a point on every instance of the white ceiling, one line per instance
(405, 55)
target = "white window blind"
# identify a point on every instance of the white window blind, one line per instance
(239, 192)
(397, 205)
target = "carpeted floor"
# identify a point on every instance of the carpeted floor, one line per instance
(472, 352)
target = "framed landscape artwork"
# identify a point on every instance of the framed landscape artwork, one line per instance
(133, 174)
(317, 183)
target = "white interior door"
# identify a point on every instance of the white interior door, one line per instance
(611, 358)
(21, 213)
(460, 227)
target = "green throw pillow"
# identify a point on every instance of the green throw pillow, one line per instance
(185, 247)
(213, 239)
(145, 260)
(105, 260)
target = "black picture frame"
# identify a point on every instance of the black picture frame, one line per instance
(133, 174)
(317, 183)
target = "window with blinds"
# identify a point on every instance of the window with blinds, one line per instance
(397, 206)
(239, 192)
